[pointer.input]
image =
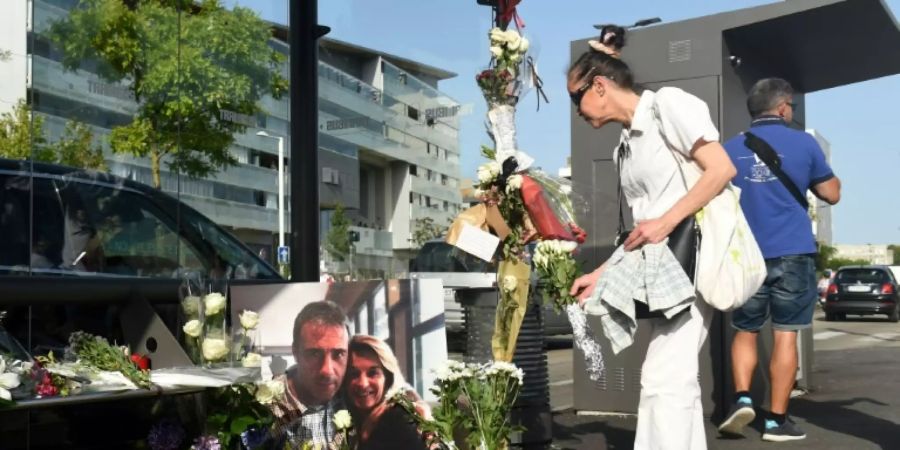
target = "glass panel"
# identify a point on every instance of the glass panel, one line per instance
(389, 127)
(234, 143)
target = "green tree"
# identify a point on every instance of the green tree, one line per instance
(824, 254)
(837, 263)
(424, 230)
(189, 65)
(337, 241)
(76, 148)
(21, 137)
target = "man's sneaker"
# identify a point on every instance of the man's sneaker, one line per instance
(740, 415)
(788, 431)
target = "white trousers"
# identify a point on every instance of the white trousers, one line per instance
(670, 413)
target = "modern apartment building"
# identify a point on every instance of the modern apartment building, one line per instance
(819, 210)
(389, 146)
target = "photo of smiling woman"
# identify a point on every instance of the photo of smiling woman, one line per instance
(373, 377)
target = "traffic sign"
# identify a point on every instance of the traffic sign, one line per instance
(284, 254)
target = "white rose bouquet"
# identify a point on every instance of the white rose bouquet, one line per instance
(557, 270)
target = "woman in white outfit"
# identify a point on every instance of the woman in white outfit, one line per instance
(655, 124)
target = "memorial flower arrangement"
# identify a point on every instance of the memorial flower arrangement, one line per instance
(519, 204)
(207, 338)
(474, 401)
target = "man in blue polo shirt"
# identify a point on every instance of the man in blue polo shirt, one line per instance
(783, 229)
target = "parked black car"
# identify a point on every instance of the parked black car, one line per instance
(62, 221)
(863, 290)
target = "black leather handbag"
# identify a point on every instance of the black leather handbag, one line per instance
(684, 241)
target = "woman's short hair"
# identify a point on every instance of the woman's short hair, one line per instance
(767, 94)
(394, 380)
(604, 62)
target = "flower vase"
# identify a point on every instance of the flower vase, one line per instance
(215, 339)
(189, 316)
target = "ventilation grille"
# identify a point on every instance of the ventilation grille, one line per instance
(679, 51)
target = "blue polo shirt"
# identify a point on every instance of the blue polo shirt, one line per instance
(779, 223)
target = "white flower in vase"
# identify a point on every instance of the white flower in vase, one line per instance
(8, 381)
(510, 283)
(214, 303)
(342, 420)
(249, 320)
(496, 51)
(214, 349)
(192, 328)
(497, 36)
(252, 360)
(191, 305)
(268, 392)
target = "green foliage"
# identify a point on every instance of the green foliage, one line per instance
(824, 254)
(76, 148)
(425, 230)
(97, 352)
(233, 410)
(488, 152)
(837, 263)
(512, 208)
(556, 279)
(21, 137)
(337, 242)
(187, 64)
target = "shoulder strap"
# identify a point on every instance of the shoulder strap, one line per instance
(769, 156)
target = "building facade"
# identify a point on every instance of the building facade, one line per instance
(872, 253)
(389, 144)
(820, 211)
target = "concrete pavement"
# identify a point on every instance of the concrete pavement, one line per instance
(855, 403)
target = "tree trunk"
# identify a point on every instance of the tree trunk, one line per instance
(154, 167)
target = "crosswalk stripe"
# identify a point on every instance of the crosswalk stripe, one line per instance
(827, 335)
(880, 337)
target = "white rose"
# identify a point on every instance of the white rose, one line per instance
(569, 246)
(478, 193)
(523, 46)
(276, 387)
(191, 305)
(513, 39)
(514, 181)
(252, 360)
(192, 328)
(497, 36)
(496, 51)
(264, 394)
(249, 320)
(214, 349)
(342, 420)
(510, 283)
(494, 167)
(484, 174)
(214, 303)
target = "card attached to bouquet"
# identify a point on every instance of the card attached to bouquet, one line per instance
(477, 242)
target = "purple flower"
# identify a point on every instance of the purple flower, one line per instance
(165, 435)
(206, 443)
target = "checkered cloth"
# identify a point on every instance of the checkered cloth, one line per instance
(651, 275)
(308, 424)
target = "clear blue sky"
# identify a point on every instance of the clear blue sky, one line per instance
(859, 120)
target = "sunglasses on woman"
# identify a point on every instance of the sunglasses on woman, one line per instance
(579, 93)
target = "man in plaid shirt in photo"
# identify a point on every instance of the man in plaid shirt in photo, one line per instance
(306, 411)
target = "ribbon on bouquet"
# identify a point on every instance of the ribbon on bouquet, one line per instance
(507, 11)
(584, 340)
(536, 81)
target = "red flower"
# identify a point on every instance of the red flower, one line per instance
(580, 235)
(141, 361)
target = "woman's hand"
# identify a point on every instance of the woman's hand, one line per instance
(584, 285)
(651, 231)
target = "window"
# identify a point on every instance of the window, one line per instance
(412, 113)
(413, 170)
(444, 179)
(446, 205)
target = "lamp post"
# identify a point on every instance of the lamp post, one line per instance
(280, 186)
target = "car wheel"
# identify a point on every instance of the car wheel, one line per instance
(894, 316)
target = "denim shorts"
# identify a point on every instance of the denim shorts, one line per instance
(788, 295)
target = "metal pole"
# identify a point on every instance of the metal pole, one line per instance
(280, 191)
(304, 108)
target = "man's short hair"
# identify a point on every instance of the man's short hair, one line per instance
(766, 94)
(323, 312)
